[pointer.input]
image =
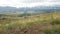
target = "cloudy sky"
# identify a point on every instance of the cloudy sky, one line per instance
(28, 3)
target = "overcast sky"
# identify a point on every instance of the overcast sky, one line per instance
(28, 3)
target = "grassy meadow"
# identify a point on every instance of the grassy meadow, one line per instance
(35, 23)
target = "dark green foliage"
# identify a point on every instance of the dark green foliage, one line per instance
(53, 30)
(55, 21)
(2, 15)
(22, 15)
(47, 31)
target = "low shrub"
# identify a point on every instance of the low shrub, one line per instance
(55, 21)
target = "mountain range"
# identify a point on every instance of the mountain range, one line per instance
(37, 8)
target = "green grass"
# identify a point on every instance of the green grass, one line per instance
(53, 30)
(15, 24)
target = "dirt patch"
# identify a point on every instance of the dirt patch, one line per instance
(35, 29)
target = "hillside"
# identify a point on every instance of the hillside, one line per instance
(47, 23)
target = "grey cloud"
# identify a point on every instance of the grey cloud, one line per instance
(31, 1)
(55, 1)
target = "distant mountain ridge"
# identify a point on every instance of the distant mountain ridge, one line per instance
(37, 8)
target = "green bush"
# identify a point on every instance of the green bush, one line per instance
(53, 30)
(55, 21)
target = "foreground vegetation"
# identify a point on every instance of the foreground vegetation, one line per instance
(47, 23)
